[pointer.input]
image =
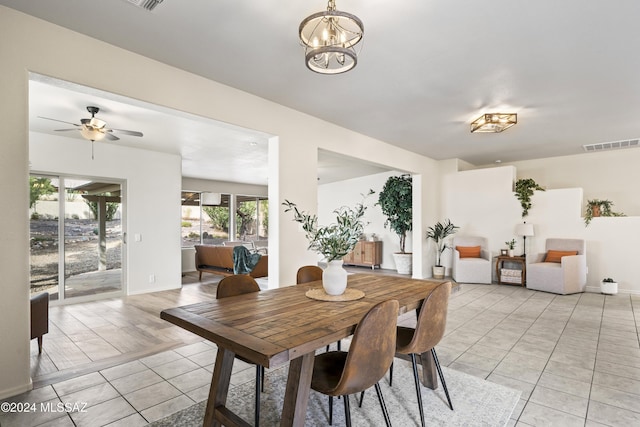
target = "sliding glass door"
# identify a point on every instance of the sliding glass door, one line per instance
(76, 237)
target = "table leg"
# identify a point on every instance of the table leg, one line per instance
(219, 386)
(296, 395)
(429, 373)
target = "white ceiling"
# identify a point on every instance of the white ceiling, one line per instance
(570, 69)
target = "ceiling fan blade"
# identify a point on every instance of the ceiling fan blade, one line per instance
(111, 136)
(128, 132)
(61, 121)
(63, 130)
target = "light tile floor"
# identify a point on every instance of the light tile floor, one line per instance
(575, 358)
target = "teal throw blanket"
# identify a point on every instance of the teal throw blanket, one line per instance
(243, 260)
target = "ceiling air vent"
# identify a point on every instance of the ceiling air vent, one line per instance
(614, 145)
(146, 4)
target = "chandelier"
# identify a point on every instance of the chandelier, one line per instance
(494, 122)
(329, 39)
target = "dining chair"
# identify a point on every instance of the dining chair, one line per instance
(429, 330)
(340, 373)
(39, 317)
(239, 284)
(308, 273)
(311, 273)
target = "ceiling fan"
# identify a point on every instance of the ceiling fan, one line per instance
(94, 129)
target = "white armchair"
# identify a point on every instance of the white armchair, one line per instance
(475, 269)
(569, 276)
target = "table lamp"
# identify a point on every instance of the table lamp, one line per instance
(524, 230)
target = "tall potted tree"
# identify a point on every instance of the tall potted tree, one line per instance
(438, 233)
(396, 201)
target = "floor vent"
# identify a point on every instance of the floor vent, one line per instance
(613, 145)
(146, 4)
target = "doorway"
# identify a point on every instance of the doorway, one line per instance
(76, 237)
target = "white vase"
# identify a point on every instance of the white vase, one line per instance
(334, 278)
(609, 288)
(510, 252)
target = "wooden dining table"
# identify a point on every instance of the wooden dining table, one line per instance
(283, 325)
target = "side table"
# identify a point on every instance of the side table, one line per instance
(511, 276)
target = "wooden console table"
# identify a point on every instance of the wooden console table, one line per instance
(366, 254)
(511, 280)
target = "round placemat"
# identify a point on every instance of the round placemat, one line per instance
(348, 295)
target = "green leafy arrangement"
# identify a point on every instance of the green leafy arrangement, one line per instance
(524, 190)
(438, 233)
(511, 244)
(597, 207)
(396, 202)
(336, 240)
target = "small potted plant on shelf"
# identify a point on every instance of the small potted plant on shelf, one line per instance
(596, 208)
(524, 190)
(609, 286)
(511, 245)
(438, 233)
(332, 241)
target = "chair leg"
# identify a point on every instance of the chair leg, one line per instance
(361, 399)
(330, 410)
(391, 375)
(339, 346)
(40, 344)
(262, 380)
(387, 420)
(444, 384)
(416, 379)
(347, 410)
(258, 388)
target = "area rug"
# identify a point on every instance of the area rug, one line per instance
(476, 402)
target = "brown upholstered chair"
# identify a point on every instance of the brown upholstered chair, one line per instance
(231, 286)
(432, 319)
(308, 273)
(339, 373)
(39, 317)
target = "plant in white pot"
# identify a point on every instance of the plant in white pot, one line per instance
(511, 245)
(333, 241)
(438, 233)
(396, 202)
(609, 286)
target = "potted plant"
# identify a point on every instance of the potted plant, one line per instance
(438, 233)
(396, 202)
(524, 190)
(511, 245)
(332, 241)
(596, 207)
(609, 286)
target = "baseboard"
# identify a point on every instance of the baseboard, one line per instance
(154, 289)
(596, 290)
(16, 390)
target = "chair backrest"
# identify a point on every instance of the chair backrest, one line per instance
(372, 349)
(308, 273)
(470, 241)
(432, 320)
(237, 284)
(567, 245)
(39, 315)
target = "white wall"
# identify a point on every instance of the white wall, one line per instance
(612, 175)
(348, 193)
(482, 203)
(152, 201)
(28, 45)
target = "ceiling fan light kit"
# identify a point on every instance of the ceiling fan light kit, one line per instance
(494, 122)
(329, 39)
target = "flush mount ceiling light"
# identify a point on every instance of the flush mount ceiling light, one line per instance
(329, 39)
(494, 122)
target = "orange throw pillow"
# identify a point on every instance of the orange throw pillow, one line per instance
(555, 256)
(468, 251)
